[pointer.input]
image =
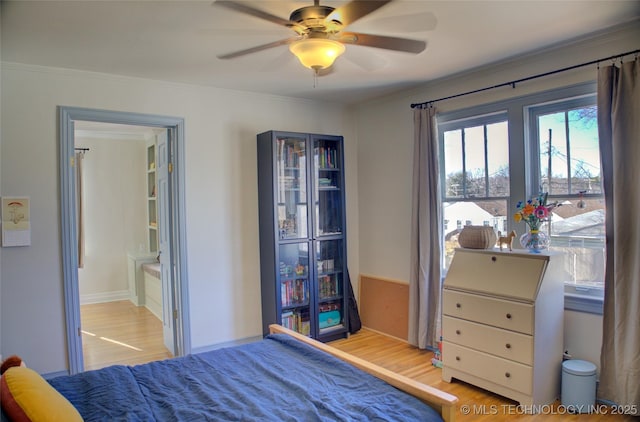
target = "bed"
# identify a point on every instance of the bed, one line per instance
(285, 377)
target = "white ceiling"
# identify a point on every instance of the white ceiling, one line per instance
(179, 40)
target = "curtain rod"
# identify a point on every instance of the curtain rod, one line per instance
(513, 83)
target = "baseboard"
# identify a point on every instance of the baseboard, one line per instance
(404, 340)
(87, 299)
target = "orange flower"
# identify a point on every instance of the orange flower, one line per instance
(528, 210)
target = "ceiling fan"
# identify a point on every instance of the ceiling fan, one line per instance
(320, 37)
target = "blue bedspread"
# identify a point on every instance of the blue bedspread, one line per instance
(277, 379)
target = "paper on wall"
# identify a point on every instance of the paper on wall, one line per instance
(16, 221)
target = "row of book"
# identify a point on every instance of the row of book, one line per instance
(291, 155)
(297, 321)
(328, 286)
(327, 307)
(294, 292)
(326, 158)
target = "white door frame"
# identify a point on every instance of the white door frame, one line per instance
(67, 116)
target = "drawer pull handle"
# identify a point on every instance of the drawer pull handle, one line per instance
(458, 305)
(494, 259)
(458, 332)
(508, 346)
(508, 375)
(508, 316)
(458, 358)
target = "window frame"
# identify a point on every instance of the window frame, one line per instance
(523, 148)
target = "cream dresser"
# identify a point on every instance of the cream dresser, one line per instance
(502, 323)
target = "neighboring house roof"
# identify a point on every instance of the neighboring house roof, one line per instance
(589, 224)
(466, 212)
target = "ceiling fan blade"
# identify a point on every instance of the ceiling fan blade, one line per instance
(248, 10)
(258, 48)
(354, 10)
(381, 41)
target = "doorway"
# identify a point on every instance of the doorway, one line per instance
(122, 300)
(168, 241)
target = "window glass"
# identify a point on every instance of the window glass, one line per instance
(498, 159)
(475, 213)
(453, 163)
(578, 230)
(569, 166)
(475, 159)
(569, 154)
(475, 170)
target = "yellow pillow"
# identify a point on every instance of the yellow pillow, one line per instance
(26, 396)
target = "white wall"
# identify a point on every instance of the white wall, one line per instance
(221, 196)
(583, 336)
(385, 150)
(114, 185)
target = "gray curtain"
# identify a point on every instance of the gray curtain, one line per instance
(80, 208)
(619, 132)
(424, 281)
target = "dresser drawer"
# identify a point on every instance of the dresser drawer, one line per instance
(500, 313)
(497, 273)
(507, 344)
(515, 376)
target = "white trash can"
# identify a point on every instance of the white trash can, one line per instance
(578, 385)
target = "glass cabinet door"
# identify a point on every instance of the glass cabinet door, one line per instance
(328, 187)
(291, 177)
(330, 273)
(294, 286)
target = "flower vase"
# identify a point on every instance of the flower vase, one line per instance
(535, 241)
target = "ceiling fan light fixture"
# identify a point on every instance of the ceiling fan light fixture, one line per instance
(317, 53)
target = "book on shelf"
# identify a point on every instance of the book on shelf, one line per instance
(291, 163)
(294, 292)
(328, 307)
(327, 286)
(290, 155)
(325, 182)
(297, 320)
(326, 157)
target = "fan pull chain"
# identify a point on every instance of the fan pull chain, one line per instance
(315, 78)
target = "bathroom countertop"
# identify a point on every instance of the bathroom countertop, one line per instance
(152, 269)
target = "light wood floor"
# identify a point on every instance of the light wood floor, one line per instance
(474, 403)
(120, 333)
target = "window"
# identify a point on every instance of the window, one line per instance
(475, 174)
(568, 168)
(498, 154)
